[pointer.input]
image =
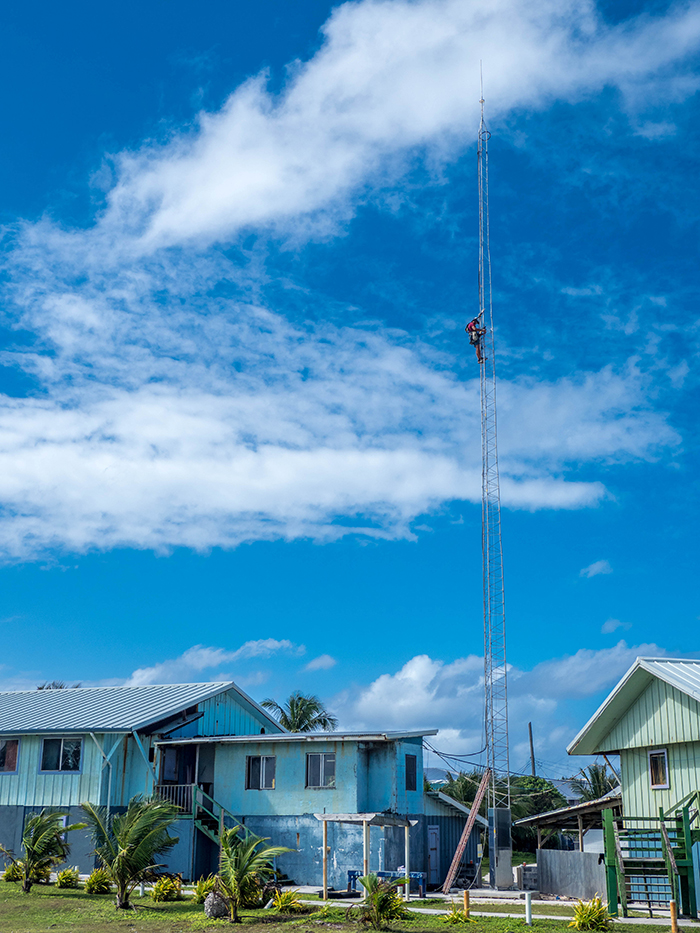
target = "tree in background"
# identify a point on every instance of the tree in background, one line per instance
(44, 846)
(594, 781)
(56, 685)
(127, 843)
(529, 795)
(302, 713)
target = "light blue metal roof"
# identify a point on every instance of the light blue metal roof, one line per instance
(100, 709)
(681, 673)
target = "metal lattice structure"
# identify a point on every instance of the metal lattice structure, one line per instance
(495, 677)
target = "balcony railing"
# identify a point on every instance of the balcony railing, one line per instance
(179, 794)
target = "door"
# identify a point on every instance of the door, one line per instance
(434, 855)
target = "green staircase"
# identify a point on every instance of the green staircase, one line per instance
(209, 816)
(648, 861)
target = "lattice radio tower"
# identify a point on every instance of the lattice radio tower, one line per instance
(495, 680)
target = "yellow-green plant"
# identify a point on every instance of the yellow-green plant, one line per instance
(13, 872)
(288, 902)
(202, 888)
(99, 882)
(166, 889)
(68, 878)
(456, 915)
(383, 901)
(591, 915)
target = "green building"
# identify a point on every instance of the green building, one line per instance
(652, 721)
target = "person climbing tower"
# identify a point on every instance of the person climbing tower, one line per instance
(476, 334)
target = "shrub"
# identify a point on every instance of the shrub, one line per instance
(166, 889)
(13, 872)
(383, 901)
(98, 882)
(288, 902)
(456, 915)
(41, 874)
(591, 915)
(203, 887)
(68, 878)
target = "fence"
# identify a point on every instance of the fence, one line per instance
(570, 874)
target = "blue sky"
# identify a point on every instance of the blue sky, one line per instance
(239, 424)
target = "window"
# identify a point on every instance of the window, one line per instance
(411, 772)
(61, 755)
(658, 769)
(8, 754)
(260, 772)
(320, 770)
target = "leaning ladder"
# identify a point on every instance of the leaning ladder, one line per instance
(466, 833)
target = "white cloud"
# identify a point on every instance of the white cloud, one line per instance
(200, 658)
(596, 568)
(612, 625)
(428, 693)
(389, 78)
(165, 416)
(273, 430)
(323, 662)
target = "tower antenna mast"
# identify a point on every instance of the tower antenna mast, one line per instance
(495, 673)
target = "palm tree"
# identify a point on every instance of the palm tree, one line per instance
(594, 781)
(302, 713)
(44, 845)
(245, 864)
(56, 685)
(127, 843)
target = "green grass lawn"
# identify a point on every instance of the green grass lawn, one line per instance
(46, 909)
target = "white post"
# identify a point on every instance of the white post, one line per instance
(325, 860)
(528, 908)
(407, 856)
(365, 847)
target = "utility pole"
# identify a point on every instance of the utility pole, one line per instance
(495, 671)
(532, 751)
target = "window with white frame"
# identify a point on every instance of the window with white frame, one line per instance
(320, 770)
(260, 772)
(658, 769)
(61, 754)
(9, 752)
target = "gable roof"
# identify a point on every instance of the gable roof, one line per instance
(448, 801)
(104, 709)
(680, 673)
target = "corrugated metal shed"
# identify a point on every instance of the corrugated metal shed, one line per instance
(681, 674)
(99, 709)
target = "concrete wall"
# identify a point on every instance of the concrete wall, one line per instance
(570, 874)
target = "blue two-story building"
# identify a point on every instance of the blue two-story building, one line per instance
(219, 756)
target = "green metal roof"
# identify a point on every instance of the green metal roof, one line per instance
(680, 673)
(102, 709)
